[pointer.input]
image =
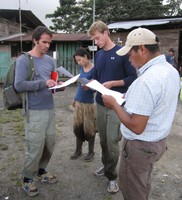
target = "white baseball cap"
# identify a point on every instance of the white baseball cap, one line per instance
(139, 36)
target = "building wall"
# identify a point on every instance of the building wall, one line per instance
(169, 38)
(4, 48)
(4, 61)
(65, 52)
(8, 28)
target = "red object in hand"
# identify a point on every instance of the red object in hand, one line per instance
(54, 77)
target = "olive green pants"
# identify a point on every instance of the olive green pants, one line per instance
(109, 131)
(40, 140)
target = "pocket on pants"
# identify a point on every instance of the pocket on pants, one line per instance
(141, 155)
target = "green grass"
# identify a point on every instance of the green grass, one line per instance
(14, 121)
(3, 147)
(7, 116)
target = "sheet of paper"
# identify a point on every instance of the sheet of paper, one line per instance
(66, 83)
(62, 70)
(103, 90)
(83, 81)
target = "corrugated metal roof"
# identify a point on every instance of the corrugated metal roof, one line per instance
(56, 37)
(139, 23)
(70, 37)
(11, 36)
(27, 17)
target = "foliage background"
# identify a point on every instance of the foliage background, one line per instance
(76, 16)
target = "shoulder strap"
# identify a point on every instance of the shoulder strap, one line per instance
(31, 69)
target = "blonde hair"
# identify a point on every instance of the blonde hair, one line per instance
(98, 26)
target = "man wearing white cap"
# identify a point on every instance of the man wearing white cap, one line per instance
(148, 113)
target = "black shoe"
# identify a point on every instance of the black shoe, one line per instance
(75, 155)
(89, 157)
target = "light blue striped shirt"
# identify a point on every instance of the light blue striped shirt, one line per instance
(155, 94)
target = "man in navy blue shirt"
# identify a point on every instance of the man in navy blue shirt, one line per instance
(115, 73)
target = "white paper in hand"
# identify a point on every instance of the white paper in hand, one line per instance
(66, 83)
(103, 90)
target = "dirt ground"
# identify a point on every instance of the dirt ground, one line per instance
(76, 178)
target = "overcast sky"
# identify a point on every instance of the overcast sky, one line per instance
(39, 7)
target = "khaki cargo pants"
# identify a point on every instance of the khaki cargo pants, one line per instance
(40, 140)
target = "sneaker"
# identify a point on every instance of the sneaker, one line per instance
(75, 155)
(99, 172)
(89, 157)
(30, 188)
(113, 187)
(47, 178)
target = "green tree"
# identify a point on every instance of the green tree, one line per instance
(144, 9)
(64, 16)
(71, 16)
(77, 15)
(174, 7)
(109, 11)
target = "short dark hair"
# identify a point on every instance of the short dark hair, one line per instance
(39, 30)
(171, 50)
(82, 52)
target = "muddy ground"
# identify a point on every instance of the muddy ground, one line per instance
(76, 178)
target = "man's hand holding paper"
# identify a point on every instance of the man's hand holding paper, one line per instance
(105, 91)
(66, 83)
(109, 101)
